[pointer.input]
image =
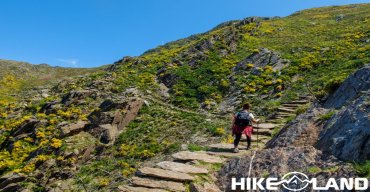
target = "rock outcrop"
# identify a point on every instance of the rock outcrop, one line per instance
(347, 134)
(351, 87)
(262, 58)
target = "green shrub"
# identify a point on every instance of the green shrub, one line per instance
(194, 147)
(363, 169)
(327, 116)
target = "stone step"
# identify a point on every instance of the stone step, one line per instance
(230, 153)
(286, 110)
(267, 132)
(159, 184)
(291, 105)
(181, 167)
(284, 116)
(284, 113)
(298, 102)
(125, 188)
(165, 174)
(200, 155)
(266, 126)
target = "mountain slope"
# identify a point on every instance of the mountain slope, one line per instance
(17, 76)
(92, 132)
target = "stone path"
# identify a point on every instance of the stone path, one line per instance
(195, 171)
(288, 110)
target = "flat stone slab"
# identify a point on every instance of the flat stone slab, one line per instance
(286, 109)
(165, 174)
(181, 167)
(73, 129)
(266, 126)
(229, 154)
(222, 146)
(160, 184)
(201, 156)
(298, 102)
(139, 189)
(263, 132)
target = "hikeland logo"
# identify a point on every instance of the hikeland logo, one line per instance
(297, 181)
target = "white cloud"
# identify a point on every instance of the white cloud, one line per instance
(69, 62)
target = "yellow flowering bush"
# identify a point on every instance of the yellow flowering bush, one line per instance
(103, 182)
(56, 143)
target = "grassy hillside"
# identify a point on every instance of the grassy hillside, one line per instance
(17, 76)
(333, 41)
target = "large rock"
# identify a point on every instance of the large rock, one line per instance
(347, 134)
(189, 156)
(262, 58)
(165, 174)
(9, 182)
(27, 126)
(108, 133)
(304, 130)
(181, 167)
(73, 129)
(278, 161)
(132, 109)
(160, 184)
(351, 87)
(74, 97)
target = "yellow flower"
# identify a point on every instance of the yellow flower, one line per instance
(28, 168)
(103, 182)
(56, 143)
(44, 142)
(29, 139)
(42, 158)
(40, 134)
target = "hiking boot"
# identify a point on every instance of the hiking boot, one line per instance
(236, 150)
(248, 147)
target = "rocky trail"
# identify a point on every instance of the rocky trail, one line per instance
(194, 170)
(289, 109)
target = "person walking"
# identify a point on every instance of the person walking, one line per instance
(242, 124)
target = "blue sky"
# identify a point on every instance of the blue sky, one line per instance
(90, 33)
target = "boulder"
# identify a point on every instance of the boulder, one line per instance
(27, 126)
(109, 104)
(181, 167)
(73, 129)
(75, 96)
(108, 133)
(347, 134)
(8, 182)
(132, 109)
(262, 58)
(99, 117)
(277, 162)
(350, 88)
(163, 91)
(304, 130)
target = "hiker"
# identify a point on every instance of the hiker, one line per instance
(242, 124)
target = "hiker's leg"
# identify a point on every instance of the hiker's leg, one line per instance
(249, 140)
(237, 139)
